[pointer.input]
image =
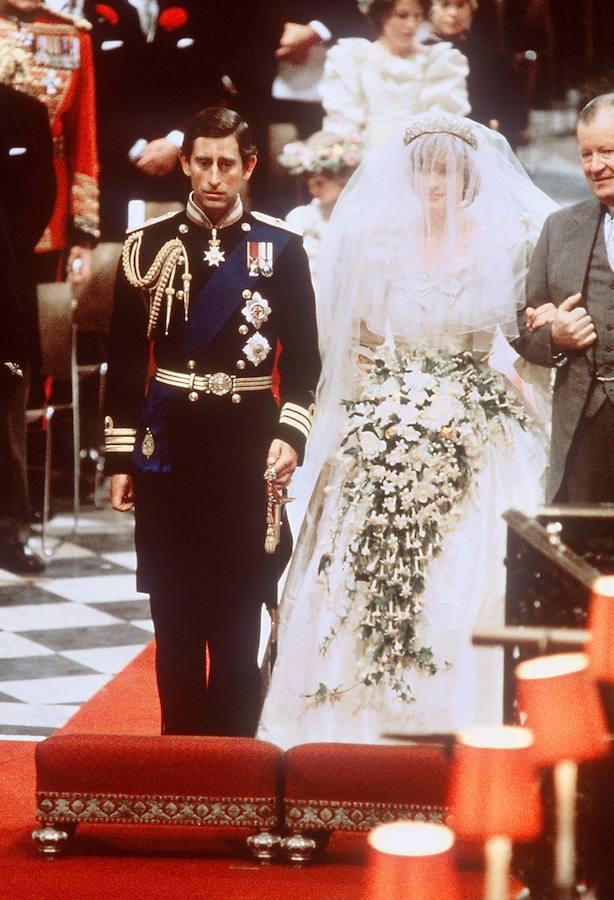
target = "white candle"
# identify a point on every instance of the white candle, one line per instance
(498, 851)
(565, 782)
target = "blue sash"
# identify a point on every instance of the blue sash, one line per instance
(223, 292)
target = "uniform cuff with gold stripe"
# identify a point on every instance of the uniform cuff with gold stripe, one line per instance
(118, 440)
(296, 416)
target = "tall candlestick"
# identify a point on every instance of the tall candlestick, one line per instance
(498, 851)
(565, 784)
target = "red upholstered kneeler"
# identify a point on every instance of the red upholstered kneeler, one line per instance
(168, 780)
(354, 787)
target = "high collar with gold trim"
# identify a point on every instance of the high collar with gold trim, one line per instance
(198, 217)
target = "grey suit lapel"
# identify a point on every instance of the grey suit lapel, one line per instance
(586, 218)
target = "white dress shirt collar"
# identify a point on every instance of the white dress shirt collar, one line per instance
(608, 234)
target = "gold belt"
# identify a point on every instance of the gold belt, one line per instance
(219, 383)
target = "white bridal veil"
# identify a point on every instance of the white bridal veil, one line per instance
(442, 203)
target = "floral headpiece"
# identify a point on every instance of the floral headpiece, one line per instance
(321, 153)
(364, 6)
(440, 125)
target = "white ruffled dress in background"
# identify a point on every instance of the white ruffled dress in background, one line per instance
(366, 89)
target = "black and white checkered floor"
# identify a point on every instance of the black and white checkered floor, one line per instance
(64, 634)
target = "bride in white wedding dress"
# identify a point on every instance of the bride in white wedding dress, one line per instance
(418, 446)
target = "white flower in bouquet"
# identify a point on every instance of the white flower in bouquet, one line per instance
(416, 380)
(370, 444)
(409, 413)
(379, 473)
(389, 388)
(387, 410)
(413, 443)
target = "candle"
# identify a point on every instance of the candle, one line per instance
(565, 781)
(498, 851)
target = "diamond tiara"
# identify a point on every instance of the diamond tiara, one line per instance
(440, 125)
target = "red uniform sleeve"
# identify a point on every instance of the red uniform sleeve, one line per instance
(81, 123)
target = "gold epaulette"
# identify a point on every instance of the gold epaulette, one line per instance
(275, 222)
(153, 221)
(78, 21)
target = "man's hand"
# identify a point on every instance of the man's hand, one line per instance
(158, 158)
(122, 493)
(572, 327)
(284, 458)
(296, 41)
(79, 264)
(539, 316)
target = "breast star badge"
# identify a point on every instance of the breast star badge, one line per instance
(214, 256)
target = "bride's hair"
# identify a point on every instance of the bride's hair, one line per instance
(430, 156)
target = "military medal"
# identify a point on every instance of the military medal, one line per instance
(214, 256)
(256, 310)
(260, 258)
(257, 348)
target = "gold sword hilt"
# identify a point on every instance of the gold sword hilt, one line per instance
(274, 511)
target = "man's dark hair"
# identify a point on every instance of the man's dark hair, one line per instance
(219, 122)
(381, 9)
(589, 112)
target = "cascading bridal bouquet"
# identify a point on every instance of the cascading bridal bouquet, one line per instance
(413, 443)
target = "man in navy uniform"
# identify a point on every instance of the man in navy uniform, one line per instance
(224, 299)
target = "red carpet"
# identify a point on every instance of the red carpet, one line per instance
(128, 704)
(115, 862)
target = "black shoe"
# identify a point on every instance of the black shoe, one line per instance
(20, 559)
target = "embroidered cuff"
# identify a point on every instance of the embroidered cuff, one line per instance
(118, 440)
(297, 416)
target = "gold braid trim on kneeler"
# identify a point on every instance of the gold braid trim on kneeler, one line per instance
(159, 278)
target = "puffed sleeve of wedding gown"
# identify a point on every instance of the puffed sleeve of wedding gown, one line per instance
(343, 98)
(445, 81)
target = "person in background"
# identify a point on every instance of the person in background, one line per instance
(495, 90)
(325, 162)
(304, 30)
(265, 62)
(368, 86)
(49, 56)
(27, 192)
(570, 322)
(152, 74)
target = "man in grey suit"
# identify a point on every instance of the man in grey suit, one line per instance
(569, 320)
